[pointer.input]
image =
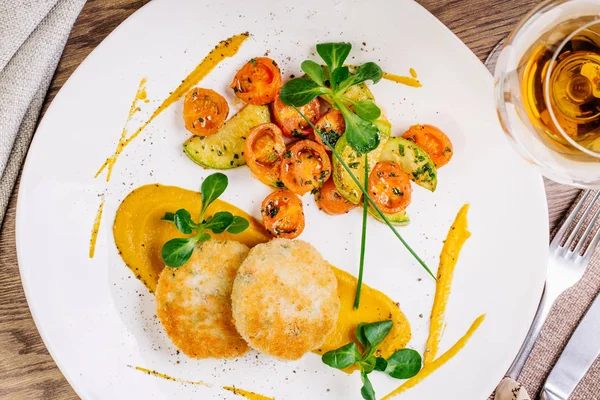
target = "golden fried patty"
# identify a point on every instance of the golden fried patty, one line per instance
(284, 298)
(193, 302)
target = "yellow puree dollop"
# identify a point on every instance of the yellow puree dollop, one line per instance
(140, 234)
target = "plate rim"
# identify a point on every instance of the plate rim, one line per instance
(83, 392)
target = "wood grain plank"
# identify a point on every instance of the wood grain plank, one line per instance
(26, 369)
(480, 24)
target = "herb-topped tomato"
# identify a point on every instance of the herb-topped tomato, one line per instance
(389, 187)
(332, 127)
(305, 166)
(258, 81)
(263, 150)
(204, 111)
(330, 201)
(433, 141)
(292, 124)
(282, 214)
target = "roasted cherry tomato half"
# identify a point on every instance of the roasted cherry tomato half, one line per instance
(263, 151)
(332, 126)
(291, 123)
(258, 81)
(330, 201)
(433, 141)
(389, 187)
(305, 166)
(204, 111)
(282, 214)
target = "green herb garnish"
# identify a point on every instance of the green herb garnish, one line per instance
(331, 136)
(178, 251)
(371, 201)
(366, 194)
(361, 133)
(397, 192)
(363, 241)
(403, 364)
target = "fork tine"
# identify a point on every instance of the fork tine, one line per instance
(592, 246)
(565, 226)
(584, 216)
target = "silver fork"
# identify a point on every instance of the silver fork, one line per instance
(565, 268)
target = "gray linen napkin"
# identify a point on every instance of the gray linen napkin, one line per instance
(33, 34)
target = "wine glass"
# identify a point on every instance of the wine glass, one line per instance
(547, 90)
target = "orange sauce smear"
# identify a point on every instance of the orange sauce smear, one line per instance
(169, 378)
(374, 306)
(405, 80)
(247, 394)
(435, 365)
(140, 95)
(96, 228)
(140, 233)
(226, 48)
(457, 236)
(240, 392)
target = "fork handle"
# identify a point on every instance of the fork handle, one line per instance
(543, 310)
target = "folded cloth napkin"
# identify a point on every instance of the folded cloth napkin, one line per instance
(33, 34)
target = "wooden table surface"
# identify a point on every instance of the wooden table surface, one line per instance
(26, 369)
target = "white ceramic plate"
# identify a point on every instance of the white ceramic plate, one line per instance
(96, 318)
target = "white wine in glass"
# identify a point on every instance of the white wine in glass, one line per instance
(548, 90)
